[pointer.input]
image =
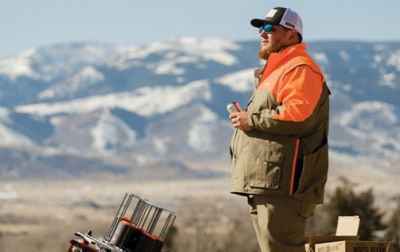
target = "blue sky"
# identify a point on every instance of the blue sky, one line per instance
(26, 24)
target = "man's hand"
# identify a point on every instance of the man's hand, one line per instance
(240, 120)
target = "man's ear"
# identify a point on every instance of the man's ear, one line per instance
(292, 36)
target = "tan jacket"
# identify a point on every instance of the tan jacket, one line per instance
(286, 152)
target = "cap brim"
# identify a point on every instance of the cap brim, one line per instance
(260, 22)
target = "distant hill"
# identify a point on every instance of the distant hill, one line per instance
(136, 109)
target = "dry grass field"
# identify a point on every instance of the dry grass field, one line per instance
(42, 215)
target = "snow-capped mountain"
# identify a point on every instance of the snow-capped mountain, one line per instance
(164, 103)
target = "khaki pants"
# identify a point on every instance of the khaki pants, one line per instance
(279, 222)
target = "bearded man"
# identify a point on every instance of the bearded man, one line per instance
(279, 148)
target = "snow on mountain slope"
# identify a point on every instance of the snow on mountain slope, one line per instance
(387, 64)
(241, 81)
(84, 79)
(189, 131)
(111, 132)
(166, 100)
(96, 131)
(18, 66)
(51, 63)
(201, 135)
(10, 138)
(3, 113)
(394, 60)
(181, 50)
(145, 101)
(371, 127)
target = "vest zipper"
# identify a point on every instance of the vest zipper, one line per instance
(296, 151)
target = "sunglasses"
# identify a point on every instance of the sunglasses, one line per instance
(266, 28)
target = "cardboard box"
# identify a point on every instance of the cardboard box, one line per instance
(347, 229)
(354, 246)
(316, 239)
(347, 225)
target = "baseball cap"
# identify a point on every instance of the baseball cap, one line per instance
(281, 16)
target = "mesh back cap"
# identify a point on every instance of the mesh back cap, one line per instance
(281, 16)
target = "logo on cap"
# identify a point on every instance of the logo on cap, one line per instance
(271, 13)
(290, 25)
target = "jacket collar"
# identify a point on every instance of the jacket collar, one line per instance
(276, 58)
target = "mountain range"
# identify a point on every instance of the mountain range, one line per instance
(159, 110)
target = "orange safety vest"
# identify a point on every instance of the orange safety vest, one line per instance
(294, 86)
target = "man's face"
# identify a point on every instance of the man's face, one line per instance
(272, 41)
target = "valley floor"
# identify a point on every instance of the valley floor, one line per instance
(43, 215)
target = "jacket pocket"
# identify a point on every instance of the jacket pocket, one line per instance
(314, 175)
(268, 174)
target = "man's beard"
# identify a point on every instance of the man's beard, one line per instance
(271, 47)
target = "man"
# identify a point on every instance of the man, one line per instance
(279, 148)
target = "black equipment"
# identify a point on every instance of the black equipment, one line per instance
(138, 226)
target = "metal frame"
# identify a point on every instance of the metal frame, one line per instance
(134, 214)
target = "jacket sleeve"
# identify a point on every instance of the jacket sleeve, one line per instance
(298, 96)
